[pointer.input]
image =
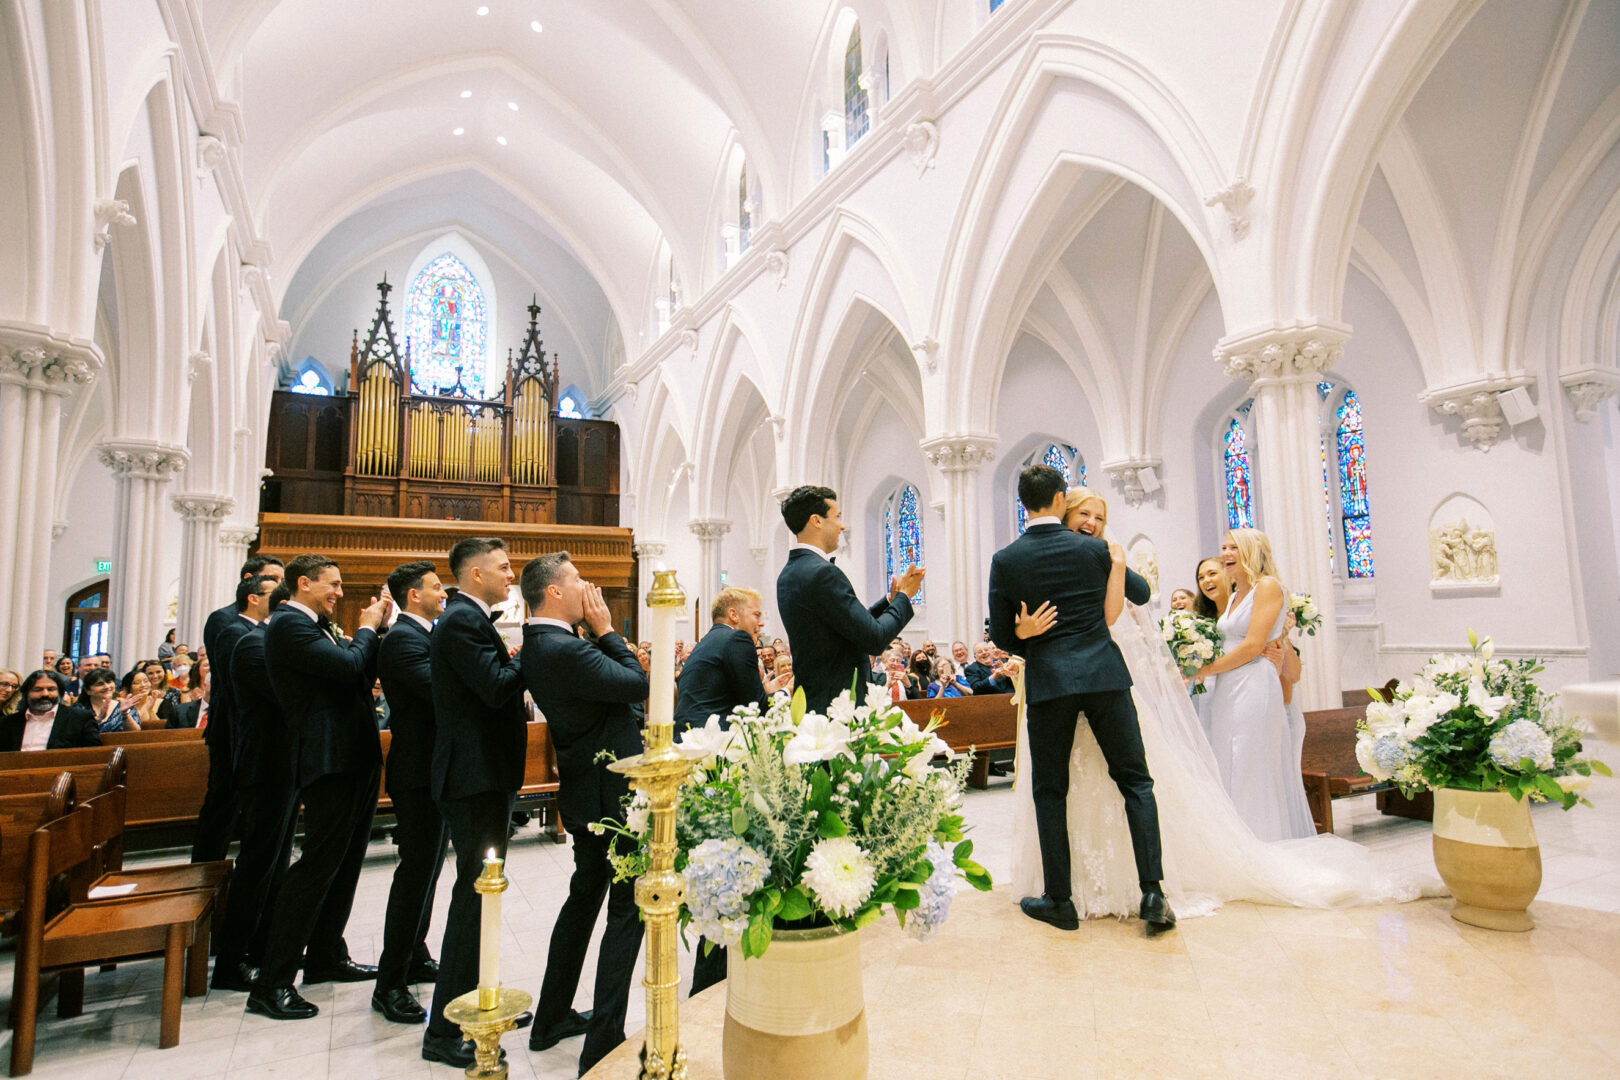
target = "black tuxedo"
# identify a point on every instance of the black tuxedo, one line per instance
(480, 741)
(405, 666)
(832, 635)
(721, 673)
(268, 800)
(586, 689)
(1074, 667)
(216, 820)
(980, 681)
(72, 727)
(324, 689)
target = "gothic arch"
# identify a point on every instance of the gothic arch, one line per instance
(735, 387)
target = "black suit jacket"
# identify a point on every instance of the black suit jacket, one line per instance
(220, 638)
(721, 673)
(266, 749)
(1077, 655)
(405, 665)
(481, 731)
(72, 727)
(324, 689)
(980, 681)
(832, 635)
(585, 689)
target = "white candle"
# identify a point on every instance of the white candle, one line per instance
(661, 705)
(489, 938)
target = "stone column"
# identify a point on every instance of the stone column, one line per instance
(709, 531)
(960, 577)
(200, 517)
(1282, 367)
(37, 373)
(234, 540)
(135, 613)
(649, 557)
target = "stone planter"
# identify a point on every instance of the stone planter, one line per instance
(1486, 852)
(797, 1013)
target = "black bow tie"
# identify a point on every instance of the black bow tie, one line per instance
(833, 559)
(494, 617)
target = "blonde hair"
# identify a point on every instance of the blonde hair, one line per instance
(784, 664)
(732, 596)
(1077, 495)
(1254, 553)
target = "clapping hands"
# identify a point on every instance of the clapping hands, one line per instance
(909, 582)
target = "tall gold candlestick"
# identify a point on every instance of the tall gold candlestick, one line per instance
(488, 1012)
(490, 884)
(658, 771)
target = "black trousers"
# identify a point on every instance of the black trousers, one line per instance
(269, 813)
(477, 823)
(422, 837)
(571, 937)
(707, 970)
(1112, 715)
(313, 905)
(217, 818)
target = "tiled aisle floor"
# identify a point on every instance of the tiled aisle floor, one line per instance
(1398, 991)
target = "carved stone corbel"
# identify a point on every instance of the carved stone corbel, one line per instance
(110, 212)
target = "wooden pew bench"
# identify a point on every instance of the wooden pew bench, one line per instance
(165, 771)
(977, 722)
(20, 815)
(1328, 763)
(539, 779)
(89, 780)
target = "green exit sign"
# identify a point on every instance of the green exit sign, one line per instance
(103, 566)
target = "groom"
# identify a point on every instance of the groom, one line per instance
(1074, 667)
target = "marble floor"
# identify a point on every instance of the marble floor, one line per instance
(1251, 991)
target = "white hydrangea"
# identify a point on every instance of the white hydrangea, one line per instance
(1519, 740)
(839, 875)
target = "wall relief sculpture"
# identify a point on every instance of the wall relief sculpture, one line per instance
(1462, 547)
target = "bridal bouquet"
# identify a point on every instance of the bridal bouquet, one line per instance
(795, 820)
(1193, 641)
(1306, 617)
(1473, 722)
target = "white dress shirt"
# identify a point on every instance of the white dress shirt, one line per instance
(37, 730)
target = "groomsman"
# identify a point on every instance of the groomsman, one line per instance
(222, 630)
(266, 795)
(585, 689)
(830, 632)
(479, 744)
(405, 666)
(323, 684)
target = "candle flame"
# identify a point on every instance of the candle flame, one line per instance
(491, 857)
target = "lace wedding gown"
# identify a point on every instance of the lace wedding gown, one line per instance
(1210, 855)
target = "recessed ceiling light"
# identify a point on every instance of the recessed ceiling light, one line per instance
(535, 26)
(458, 131)
(501, 139)
(512, 105)
(483, 10)
(466, 93)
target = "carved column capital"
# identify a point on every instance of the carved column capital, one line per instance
(238, 537)
(203, 507)
(46, 361)
(709, 528)
(143, 460)
(1590, 388)
(759, 551)
(649, 549)
(1476, 403)
(1303, 352)
(1136, 477)
(959, 453)
(110, 212)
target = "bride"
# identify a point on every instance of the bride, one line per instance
(1210, 855)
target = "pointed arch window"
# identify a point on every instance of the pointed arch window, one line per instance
(855, 118)
(902, 534)
(745, 220)
(572, 407)
(311, 379)
(1238, 472)
(1354, 509)
(1062, 457)
(446, 329)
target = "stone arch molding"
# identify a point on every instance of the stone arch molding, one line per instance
(735, 367)
(1462, 548)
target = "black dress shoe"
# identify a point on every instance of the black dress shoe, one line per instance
(280, 1003)
(1058, 913)
(1156, 912)
(573, 1024)
(523, 1020)
(423, 971)
(238, 975)
(398, 1006)
(347, 971)
(450, 1050)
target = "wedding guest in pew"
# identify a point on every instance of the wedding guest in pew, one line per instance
(69, 671)
(44, 723)
(987, 675)
(11, 699)
(100, 696)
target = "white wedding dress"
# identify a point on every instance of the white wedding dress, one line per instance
(1210, 855)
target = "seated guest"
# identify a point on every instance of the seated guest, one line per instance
(66, 668)
(920, 674)
(1182, 600)
(157, 678)
(947, 683)
(960, 656)
(44, 722)
(767, 660)
(986, 675)
(101, 698)
(166, 649)
(11, 698)
(188, 703)
(784, 668)
(894, 675)
(722, 671)
(49, 661)
(139, 706)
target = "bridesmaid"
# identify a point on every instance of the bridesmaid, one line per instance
(1248, 728)
(1286, 657)
(1214, 593)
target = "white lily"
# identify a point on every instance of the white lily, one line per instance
(817, 738)
(711, 740)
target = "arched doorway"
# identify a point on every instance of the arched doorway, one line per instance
(85, 628)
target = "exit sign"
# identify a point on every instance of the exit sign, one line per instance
(103, 566)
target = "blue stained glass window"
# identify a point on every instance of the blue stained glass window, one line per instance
(995, 4)
(855, 118)
(902, 535)
(1352, 453)
(1066, 460)
(1239, 478)
(446, 328)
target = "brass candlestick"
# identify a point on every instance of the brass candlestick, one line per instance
(659, 771)
(487, 1013)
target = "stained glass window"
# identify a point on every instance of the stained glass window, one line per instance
(1062, 457)
(311, 380)
(1239, 477)
(569, 407)
(1352, 453)
(445, 329)
(995, 4)
(902, 535)
(744, 218)
(855, 119)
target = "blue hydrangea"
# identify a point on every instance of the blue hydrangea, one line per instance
(1522, 739)
(935, 894)
(721, 875)
(1389, 753)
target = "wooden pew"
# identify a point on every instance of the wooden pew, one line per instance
(977, 722)
(539, 778)
(166, 771)
(91, 780)
(20, 815)
(1328, 763)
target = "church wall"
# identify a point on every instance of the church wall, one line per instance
(88, 538)
(886, 458)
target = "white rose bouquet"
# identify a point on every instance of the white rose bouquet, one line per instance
(794, 820)
(1194, 641)
(1306, 617)
(1471, 721)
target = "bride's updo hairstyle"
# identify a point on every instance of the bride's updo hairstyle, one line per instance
(1077, 495)
(1254, 552)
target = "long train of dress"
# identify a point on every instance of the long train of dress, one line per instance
(1210, 855)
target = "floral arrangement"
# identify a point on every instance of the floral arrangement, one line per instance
(792, 820)
(1474, 722)
(1194, 641)
(1303, 609)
